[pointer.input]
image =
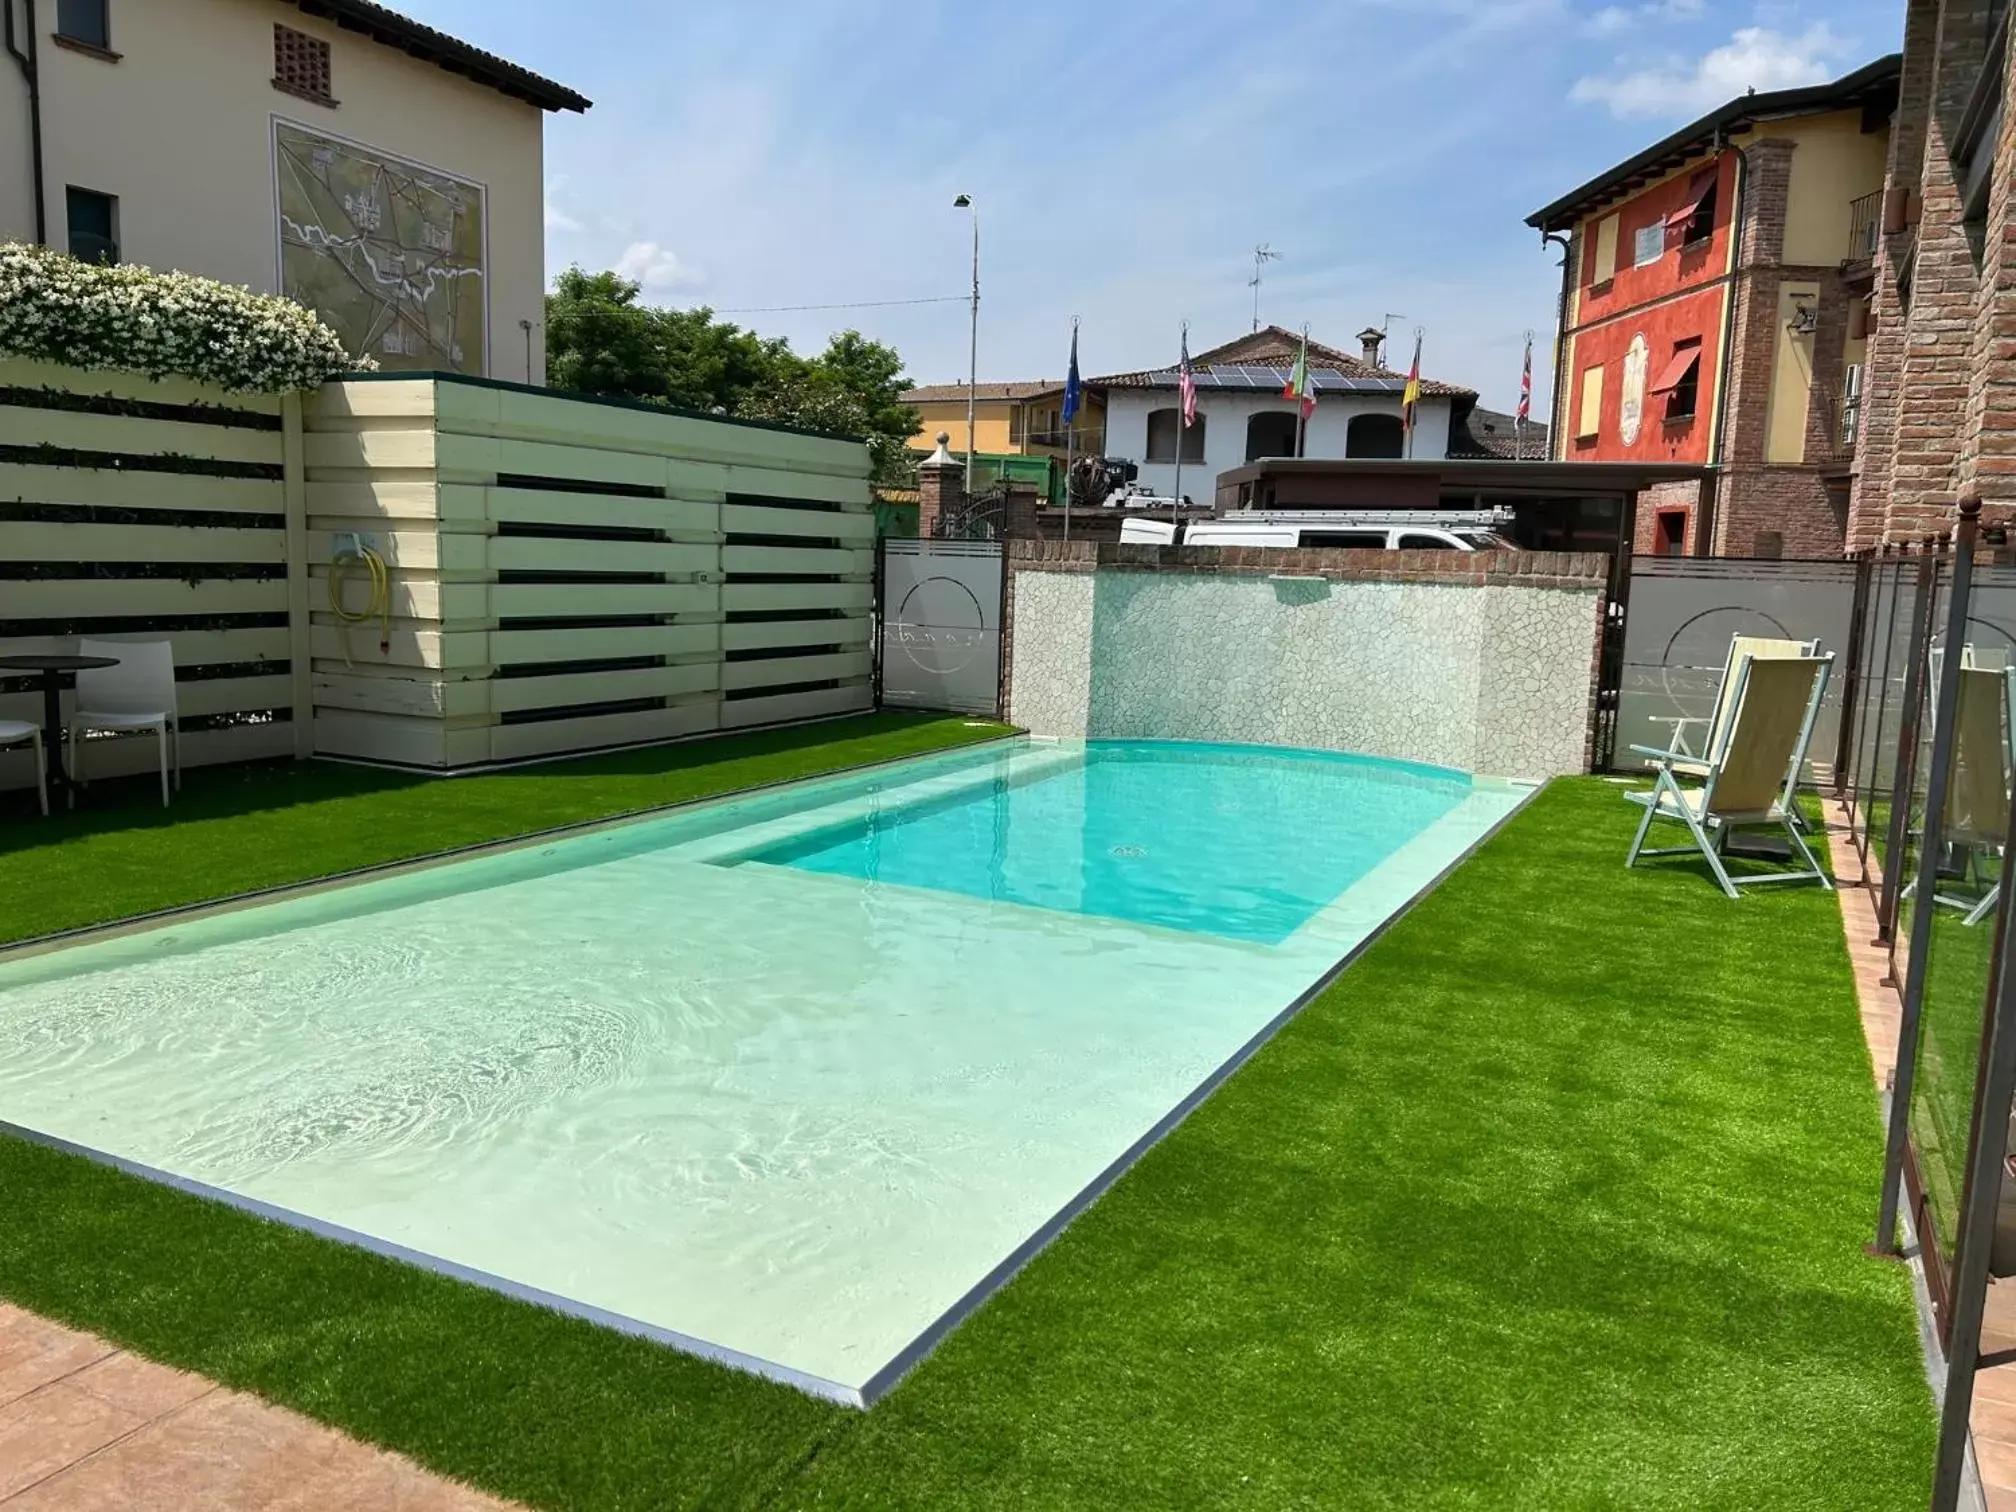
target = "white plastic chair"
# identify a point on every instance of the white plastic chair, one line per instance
(15, 732)
(136, 695)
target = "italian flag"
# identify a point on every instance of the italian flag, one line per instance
(1298, 385)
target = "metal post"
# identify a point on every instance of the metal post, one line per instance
(1904, 773)
(1176, 489)
(881, 622)
(1858, 612)
(1930, 840)
(973, 350)
(1872, 718)
(1980, 1196)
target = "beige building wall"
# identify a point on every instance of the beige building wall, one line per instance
(180, 128)
(1836, 163)
(17, 196)
(1791, 376)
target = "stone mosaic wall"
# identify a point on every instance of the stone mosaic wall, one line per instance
(1485, 676)
(1050, 668)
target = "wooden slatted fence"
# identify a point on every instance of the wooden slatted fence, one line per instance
(140, 510)
(565, 574)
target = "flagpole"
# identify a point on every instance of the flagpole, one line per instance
(1302, 400)
(1070, 435)
(1176, 490)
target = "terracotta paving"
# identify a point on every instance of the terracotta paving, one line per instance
(87, 1427)
(1994, 1414)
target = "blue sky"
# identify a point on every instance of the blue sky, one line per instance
(1125, 158)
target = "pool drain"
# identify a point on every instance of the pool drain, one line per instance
(1129, 852)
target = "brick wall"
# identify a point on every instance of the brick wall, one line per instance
(1786, 511)
(1941, 402)
(1765, 508)
(1875, 451)
(1665, 498)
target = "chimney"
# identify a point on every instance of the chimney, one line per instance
(1371, 339)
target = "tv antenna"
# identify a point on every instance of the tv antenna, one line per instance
(1262, 255)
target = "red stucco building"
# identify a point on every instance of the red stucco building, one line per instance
(1714, 313)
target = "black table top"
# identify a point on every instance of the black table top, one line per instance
(52, 663)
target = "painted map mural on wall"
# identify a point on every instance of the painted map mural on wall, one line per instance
(388, 253)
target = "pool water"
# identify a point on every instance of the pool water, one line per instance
(790, 1079)
(1224, 840)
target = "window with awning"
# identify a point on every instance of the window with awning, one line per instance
(1680, 380)
(1694, 220)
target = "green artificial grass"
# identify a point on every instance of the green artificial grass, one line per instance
(1555, 1200)
(238, 828)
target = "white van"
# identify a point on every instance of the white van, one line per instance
(1364, 530)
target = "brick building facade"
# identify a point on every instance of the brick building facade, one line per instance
(1713, 312)
(1939, 412)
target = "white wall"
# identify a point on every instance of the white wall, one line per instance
(1492, 679)
(1224, 417)
(181, 129)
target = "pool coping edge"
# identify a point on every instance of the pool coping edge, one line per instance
(454, 1270)
(919, 1348)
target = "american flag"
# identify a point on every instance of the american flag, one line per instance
(1526, 385)
(1186, 386)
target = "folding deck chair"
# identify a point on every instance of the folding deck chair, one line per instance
(1740, 646)
(1750, 776)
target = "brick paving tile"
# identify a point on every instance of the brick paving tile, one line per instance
(87, 1427)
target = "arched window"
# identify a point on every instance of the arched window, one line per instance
(1164, 426)
(1271, 433)
(1375, 436)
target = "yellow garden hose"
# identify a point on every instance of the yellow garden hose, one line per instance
(378, 607)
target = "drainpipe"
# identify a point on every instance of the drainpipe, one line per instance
(1554, 432)
(1736, 221)
(29, 61)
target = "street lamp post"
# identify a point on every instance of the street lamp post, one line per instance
(965, 202)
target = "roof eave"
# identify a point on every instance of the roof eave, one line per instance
(1810, 99)
(450, 54)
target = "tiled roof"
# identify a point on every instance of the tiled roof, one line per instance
(1493, 433)
(934, 393)
(444, 51)
(1274, 346)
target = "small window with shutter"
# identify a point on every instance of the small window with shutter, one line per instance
(301, 65)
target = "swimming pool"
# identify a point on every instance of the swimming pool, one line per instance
(791, 1079)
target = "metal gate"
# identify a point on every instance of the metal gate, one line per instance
(1683, 611)
(940, 607)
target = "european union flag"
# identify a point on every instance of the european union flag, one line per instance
(1073, 389)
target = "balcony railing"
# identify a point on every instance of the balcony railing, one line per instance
(1077, 440)
(1865, 226)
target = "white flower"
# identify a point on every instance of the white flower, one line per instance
(86, 315)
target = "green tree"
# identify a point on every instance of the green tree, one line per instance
(816, 401)
(600, 339)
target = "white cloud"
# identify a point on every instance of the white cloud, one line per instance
(557, 219)
(654, 266)
(1615, 20)
(1754, 58)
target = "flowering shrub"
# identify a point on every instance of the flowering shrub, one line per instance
(88, 315)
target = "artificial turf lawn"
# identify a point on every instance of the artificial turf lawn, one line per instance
(1555, 1200)
(238, 828)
